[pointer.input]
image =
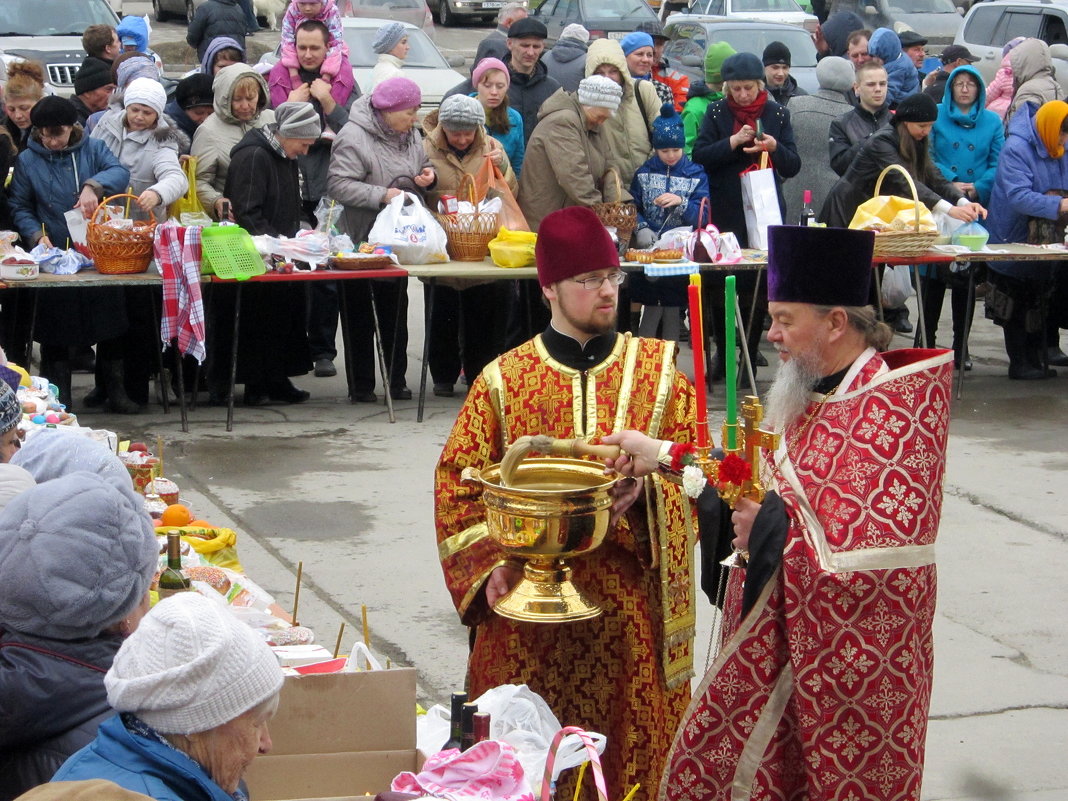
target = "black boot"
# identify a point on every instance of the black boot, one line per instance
(58, 373)
(115, 382)
(1016, 346)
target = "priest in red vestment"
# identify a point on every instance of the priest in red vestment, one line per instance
(821, 689)
(626, 672)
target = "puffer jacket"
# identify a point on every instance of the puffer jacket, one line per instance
(548, 182)
(1032, 72)
(999, 90)
(902, 78)
(218, 134)
(216, 18)
(1026, 171)
(264, 187)
(140, 764)
(53, 699)
(654, 178)
(627, 130)
(450, 167)
(700, 96)
(965, 146)
(366, 160)
(567, 62)
(713, 151)
(151, 156)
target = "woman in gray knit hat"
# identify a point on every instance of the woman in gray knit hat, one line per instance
(76, 559)
(391, 44)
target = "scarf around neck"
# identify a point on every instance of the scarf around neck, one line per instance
(747, 115)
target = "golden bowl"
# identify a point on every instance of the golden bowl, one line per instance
(555, 508)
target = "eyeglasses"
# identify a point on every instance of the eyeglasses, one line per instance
(594, 282)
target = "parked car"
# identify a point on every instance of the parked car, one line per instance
(453, 12)
(417, 12)
(613, 19)
(787, 11)
(425, 64)
(164, 10)
(988, 26)
(690, 34)
(50, 31)
(938, 20)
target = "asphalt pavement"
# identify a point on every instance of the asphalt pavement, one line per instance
(341, 489)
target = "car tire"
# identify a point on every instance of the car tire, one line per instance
(446, 16)
(158, 12)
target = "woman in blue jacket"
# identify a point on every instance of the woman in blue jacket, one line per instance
(965, 143)
(1029, 191)
(726, 145)
(63, 169)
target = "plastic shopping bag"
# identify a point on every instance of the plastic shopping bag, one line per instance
(513, 248)
(187, 209)
(891, 213)
(410, 230)
(897, 286)
(760, 201)
(489, 180)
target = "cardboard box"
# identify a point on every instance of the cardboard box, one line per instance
(338, 735)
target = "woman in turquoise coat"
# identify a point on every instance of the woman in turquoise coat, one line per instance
(965, 144)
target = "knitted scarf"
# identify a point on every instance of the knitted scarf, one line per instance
(747, 115)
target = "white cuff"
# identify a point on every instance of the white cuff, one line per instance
(942, 207)
(963, 201)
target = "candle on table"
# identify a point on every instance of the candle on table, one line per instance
(697, 340)
(730, 303)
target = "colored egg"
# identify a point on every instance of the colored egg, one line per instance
(39, 419)
(52, 418)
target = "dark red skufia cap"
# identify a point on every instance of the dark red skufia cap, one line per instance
(573, 241)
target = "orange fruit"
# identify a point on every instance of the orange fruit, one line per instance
(201, 524)
(176, 515)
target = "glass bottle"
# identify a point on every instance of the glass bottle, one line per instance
(467, 738)
(481, 726)
(173, 580)
(456, 721)
(807, 216)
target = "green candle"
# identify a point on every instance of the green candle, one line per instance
(731, 361)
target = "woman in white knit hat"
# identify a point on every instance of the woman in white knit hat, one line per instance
(195, 688)
(569, 124)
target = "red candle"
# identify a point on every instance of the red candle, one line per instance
(697, 341)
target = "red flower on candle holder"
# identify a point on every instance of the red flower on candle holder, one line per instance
(734, 470)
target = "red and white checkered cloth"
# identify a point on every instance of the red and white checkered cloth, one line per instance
(177, 253)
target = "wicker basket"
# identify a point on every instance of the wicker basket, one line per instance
(902, 244)
(469, 233)
(119, 251)
(617, 214)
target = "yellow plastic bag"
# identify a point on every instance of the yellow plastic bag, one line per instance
(217, 545)
(890, 213)
(188, 203)
(513, 248)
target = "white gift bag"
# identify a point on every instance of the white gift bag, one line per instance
(760, 201)
(410, 231)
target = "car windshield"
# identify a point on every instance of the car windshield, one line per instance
(744, 6)
(754, 40)
(423, 53)
(898, 7)
(385, 6)
(53, 17)
(616, 9)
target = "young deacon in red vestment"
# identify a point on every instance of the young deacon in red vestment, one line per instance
(625, 673)
(821, 689)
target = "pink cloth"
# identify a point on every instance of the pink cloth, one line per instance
(999, 91)
(336, 47)
(487, 770)
(178, 258)
(280, 84)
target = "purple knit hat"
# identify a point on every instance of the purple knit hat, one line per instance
(396, 94)
(136, 67)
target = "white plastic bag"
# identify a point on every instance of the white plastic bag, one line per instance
(674, 238)
(897, 286)
(410, 230)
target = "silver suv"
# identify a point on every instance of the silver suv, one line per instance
(50, 31)
(989, 25)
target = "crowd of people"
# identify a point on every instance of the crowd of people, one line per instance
(606, 104)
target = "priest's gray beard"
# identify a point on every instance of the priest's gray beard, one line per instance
(791, 390)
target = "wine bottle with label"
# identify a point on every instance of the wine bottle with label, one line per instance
(172, 580)
(467, 737)
(456, 722)
(808, 216)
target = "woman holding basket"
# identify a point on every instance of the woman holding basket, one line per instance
(462, 331)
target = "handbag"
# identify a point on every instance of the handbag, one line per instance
(706, 245)
(760, 201)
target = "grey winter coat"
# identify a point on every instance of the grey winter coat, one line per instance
(812, 117)
(218, 134)
(1032, 74)
(547, 182)
(366, 160)
(567, 62)
(216, 18)
(151, 156)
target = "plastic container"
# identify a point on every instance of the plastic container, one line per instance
(973, 241)
(229, 252)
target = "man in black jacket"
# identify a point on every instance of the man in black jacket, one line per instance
(850, 131)
(531, 83)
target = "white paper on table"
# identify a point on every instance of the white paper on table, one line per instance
(77, 227)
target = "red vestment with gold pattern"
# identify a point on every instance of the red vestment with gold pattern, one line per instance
(626, 672)
(821, 692)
